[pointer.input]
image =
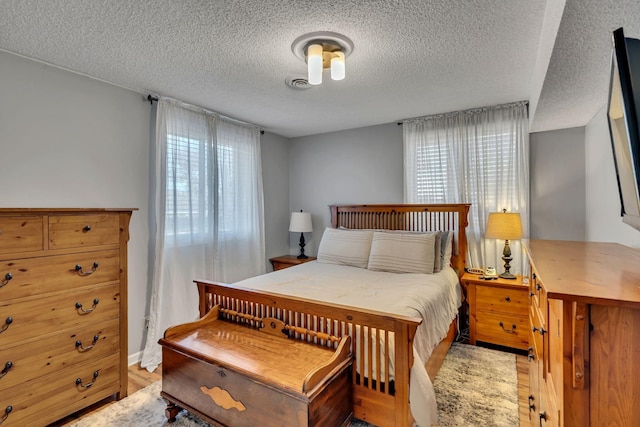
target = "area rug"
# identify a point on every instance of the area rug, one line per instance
(475, 387)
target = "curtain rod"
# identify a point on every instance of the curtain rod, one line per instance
(470, 110)
(155, 98)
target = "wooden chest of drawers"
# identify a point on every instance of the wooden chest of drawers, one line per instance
(63, 314)
(234, 375)
(498, 311)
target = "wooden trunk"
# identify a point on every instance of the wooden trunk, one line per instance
(235, 375)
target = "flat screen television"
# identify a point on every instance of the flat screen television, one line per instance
(624, 92)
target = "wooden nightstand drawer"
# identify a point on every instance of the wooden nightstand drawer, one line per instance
(502, 300)
(503, 329)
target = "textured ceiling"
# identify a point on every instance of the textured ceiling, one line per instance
(411, 57)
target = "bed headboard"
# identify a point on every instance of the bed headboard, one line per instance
(444, 217)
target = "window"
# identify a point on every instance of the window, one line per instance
(188, 208)
(478, 157)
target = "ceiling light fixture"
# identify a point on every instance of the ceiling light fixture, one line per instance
(322, 50)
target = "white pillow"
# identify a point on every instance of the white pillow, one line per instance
(345, 247)
(402, 252)
(447, 248)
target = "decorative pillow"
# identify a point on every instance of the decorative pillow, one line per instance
(446, 248)
(402, 252)
(437, 251)
(345, 247)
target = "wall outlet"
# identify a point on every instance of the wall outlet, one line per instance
(146, 323)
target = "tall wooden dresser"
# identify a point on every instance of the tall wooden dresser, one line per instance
(584, 334)
(63, 311)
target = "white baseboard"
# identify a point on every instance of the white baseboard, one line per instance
(135, 358)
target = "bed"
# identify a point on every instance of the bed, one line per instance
(383, 341)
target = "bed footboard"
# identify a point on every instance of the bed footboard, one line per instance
(381, 342)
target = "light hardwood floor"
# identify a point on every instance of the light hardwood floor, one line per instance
(140, 378)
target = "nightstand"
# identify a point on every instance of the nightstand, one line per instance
(286, 261)
(498, 311)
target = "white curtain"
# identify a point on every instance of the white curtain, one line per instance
(477, 156)
(209, 212)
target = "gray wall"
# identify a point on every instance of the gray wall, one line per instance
(557, 180)
(604, 223)
(70, 141)
(275, 180)
(355, 166)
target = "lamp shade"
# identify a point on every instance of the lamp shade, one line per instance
(504, 225)
(300, 222)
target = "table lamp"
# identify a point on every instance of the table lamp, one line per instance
(506, 226)
(300, 223)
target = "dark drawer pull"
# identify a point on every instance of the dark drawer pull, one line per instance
(86, 228)
(530, 356)
(532, 406)
(79, 381)
(542, 331)
(81, 272)
(543, 417)
(80, 348)
(534, 329)
(7, 322)
(531, 294)
(538, 287)
(7, 367)
(509, 331)
(507, 299)
(7, 411)
(88, 310)
(7, 277)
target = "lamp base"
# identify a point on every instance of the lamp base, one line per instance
(302, 244)
(507, 275)
(506, 257)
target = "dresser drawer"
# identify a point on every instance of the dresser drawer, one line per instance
(21, 234)
(38, 317)
(35, 276)
(38, 403)
(53, 353)
(503, 329)
(72, 231)
(241, 401)
(502, 300)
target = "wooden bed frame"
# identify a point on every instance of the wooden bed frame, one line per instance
(374, 401)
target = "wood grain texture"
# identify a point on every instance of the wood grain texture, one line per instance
(588, 272)
(286, 261)
(590, 300)
(497, 311)
(615, 389)
(63, 310)
(255, 379)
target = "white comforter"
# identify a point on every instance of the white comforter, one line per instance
(435, 298)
